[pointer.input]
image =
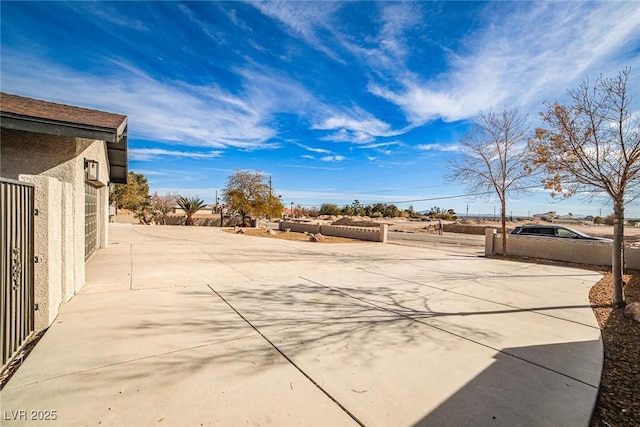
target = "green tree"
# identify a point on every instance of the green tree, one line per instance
(347, 210)
(190, 206)
(590, 146)
(329, 209)
(134, 195)
(357, 208)
(248, 193)
(275, 208)
(492, 159)
(391, 211)
(410, 212)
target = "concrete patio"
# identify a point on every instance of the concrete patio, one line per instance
(191, 326)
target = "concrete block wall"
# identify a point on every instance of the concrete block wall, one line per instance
(361, 233)
(300, 227)
(557, 249)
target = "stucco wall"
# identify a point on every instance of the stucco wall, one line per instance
(55, 165)
(558, 249)
(48, 248)
(68, 236)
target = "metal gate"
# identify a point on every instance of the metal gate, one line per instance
(17, 262)
(90, 219)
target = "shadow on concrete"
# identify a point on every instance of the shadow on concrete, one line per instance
(376, 317)
(492, 398)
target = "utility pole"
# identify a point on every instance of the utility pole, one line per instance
(270, 203)
(218, 206)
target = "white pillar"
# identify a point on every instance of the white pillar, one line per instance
(48, 248)
(489, 239)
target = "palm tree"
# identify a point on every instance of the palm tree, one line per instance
(190, 207)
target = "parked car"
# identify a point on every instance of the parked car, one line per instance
(554, 231)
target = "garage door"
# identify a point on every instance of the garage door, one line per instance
(90, 219)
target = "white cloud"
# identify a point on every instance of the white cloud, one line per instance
(438, 147)
(162, 111)
(371, 126)
(355, 126)
(523, 54)
(334, 158)
(314, 150)
(303, 19)
(383, 144)
(145, 154)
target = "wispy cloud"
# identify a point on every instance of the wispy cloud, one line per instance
(163, 111)
(359, 127)
(303, 20)
(334, 158)
(536, 50)
(438, 147)
(146, 154)
(383, 144)
(313, 149)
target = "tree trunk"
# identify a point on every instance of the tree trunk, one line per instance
(503, 220)
(617, 260)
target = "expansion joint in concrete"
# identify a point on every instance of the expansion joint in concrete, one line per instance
(409, 317)
(288, 359)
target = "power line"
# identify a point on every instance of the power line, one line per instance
(430, 199)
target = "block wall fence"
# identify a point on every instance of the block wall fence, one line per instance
(558, 249)
(373, 234)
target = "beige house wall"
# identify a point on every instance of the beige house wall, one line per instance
(55, 165)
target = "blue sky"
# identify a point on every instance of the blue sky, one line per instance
(335, 101)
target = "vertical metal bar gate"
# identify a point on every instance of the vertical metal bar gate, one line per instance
(17, 266)
(90, 220)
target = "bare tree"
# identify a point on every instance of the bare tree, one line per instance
(492, 159)
(592, 146)
(162, 205)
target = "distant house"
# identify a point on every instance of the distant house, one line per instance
(565, 219)
(545, 216)
(56, 165)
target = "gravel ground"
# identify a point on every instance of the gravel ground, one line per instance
(618, 402)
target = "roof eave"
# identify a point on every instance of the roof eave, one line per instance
(116, 138)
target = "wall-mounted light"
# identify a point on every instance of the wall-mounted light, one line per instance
(91, 167)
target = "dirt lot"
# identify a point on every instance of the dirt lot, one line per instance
(631, 233)
(301, 237)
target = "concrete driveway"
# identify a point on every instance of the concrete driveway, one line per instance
(190, 326)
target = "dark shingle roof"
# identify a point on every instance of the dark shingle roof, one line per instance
(49, 118)
(59, 112)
